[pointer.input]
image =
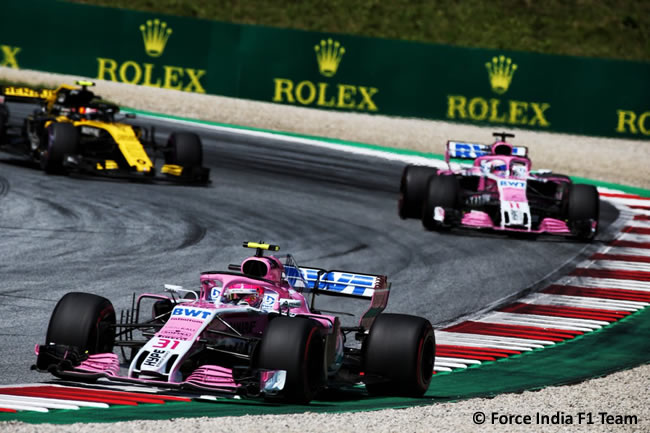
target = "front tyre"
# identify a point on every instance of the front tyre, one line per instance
(400, 351)
(444, 192)
(412, 189)
(583, 211)
(294, 344)
(84, 321)
(184, 149)
(62, 140)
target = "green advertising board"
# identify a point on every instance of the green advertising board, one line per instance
(337, 72)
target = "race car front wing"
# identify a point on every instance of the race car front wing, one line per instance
(109, 168)
(66, 362)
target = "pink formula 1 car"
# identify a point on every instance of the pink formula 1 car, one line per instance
(248, 331)
(498, 192)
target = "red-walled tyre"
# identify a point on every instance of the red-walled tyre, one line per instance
(400, 350)
(294, 344)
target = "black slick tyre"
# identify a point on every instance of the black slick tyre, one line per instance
(84, 321)
(443, 191)
(184, 149)
(413, 187)
(294, 344)
(400, 350)
(583, 210)
(62, 140)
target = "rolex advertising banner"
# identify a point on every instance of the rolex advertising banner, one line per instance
(328, 71)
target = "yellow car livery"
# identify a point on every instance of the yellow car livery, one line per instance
(75, 131)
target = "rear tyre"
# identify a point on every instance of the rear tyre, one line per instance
(294, 344)
(184, 149)
(85, 321)
(443, 191)
(400, 349)
(62, 140)
(412, 189)
(583, 211)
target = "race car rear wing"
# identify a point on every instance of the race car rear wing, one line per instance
(462, 150)
(25, 94)
(354, 285)
(342, 283)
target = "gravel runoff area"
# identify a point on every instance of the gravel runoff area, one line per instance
(606, 159)
(612, 160)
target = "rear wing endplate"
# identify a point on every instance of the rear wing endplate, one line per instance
(353, 285)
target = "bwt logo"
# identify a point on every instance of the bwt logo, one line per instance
(190, 312)
(512, 183)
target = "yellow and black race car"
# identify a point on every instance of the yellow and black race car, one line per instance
(75, 131)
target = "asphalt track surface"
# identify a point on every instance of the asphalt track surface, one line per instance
(329, 209)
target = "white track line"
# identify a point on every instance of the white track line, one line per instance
(36, 403)
(17, 406)
(639, 223)
(347, 148)
(45, 401)
(605, 283)
(440, 368)
(458, 360)
(628, 201)
(492, 338)
(543, 321)
(626, 251)
(495, 341)
(583, 302)
(615, 265)
(634, 237)
(449, 364)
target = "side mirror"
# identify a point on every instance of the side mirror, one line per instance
(290, 303)
(190, 295)
(173, 288)
(129, 116)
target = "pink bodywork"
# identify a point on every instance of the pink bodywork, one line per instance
(187, 330)
(479, 219)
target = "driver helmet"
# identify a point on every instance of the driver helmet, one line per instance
(498, 167)
(243, 294)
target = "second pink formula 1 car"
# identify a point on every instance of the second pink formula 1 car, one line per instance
(498, 192)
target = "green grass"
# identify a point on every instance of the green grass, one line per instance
(596, 28)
